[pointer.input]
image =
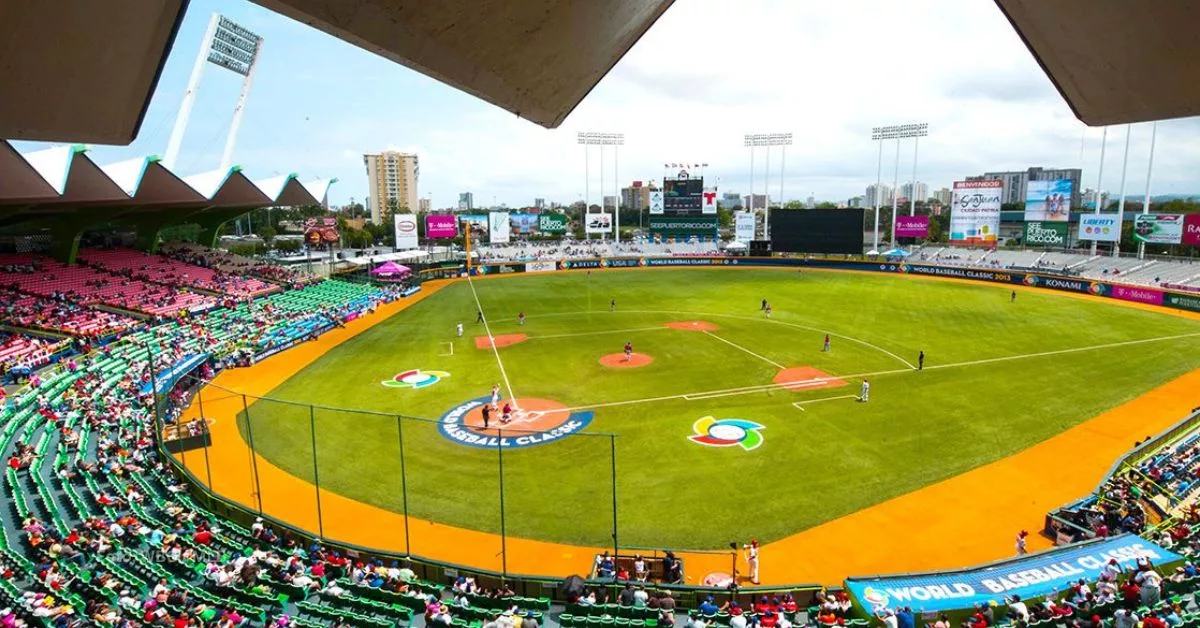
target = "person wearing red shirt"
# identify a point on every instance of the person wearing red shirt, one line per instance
(203, 537)
(770, 620)
(1153, 621)
(1131, 594)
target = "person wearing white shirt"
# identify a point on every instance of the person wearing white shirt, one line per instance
(1017, 609)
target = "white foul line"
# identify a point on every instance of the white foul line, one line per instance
(737, 346)
(492, 341)
(1110, 345)
(800, 404)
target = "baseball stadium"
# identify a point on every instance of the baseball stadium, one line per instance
(971, 415)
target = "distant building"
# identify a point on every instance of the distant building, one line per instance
(882, 196)
(425, 205)
(857, 201)
(943, 196)
(754, 201)
(466, 201)
(1089, 199)
(539, 203)
(610, 202)
(392, 178)
(810, 202)
(1016, 182)
(730, 200)
(636, 196)
(921, 193)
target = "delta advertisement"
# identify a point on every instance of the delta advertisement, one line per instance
(524, 223)
(600, 222)
(1048, 201)
(743, 227)
(441, 226)
(1048, 234)
(406, 231)
(1034, 576)
(1158, 228)
(975, 213)
(1099, 227)
(552, 223)
(912, 226)
(499, 231)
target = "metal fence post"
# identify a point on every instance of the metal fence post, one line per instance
(312, 430)
(612, 440)
(253, 455)
(403, 483)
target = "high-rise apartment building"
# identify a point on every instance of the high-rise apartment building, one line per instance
(392, 179)
(466, 201)
(425, 204)
(921, 192)
(943, 196)
(636, 196)
(882, 196)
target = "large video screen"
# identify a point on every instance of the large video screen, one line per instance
(683, 195)
(817, 230)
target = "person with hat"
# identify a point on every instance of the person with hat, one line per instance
(1021, 549)
(752, 559)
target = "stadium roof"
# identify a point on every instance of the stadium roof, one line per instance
(64, 180)
(85, 71)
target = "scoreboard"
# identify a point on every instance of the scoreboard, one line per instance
(683, 196)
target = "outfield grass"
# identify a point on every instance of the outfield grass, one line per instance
(834, 458)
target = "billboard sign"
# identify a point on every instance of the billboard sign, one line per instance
(1040, 574)
(1048, 201)
(975, 212)
(684, 195)
(912, 226)
(318, 231)
(684, 226)
(1099, 227)
(499, 231)
(1158, 228)
(1137, 294)
(524, 223)
(1191, 229)
(552, 223)
(406, 231)
(541, 267)
(1041, 233)
(441, 226)
(599, 222)
(744, 227)
(708, 204)
(476, 225)
(656, 202)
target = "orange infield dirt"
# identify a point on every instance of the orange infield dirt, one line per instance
(806, 378)
(618, 361)
(501, 341)
(534, 415)
(939, 526)
(693, 325)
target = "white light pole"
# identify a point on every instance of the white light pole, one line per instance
(602, 140)
(766, 140)
(895, 132)
(1121, 201)
(1149, 171)
(1100, 179)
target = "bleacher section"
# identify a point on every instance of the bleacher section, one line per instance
(41, 313)
(164, 270)
(227, 262)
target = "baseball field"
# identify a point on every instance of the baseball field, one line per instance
(726, 423)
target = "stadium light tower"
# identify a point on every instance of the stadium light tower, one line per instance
(603, 139)
(229, 45)
(767, 140)
(894, 132)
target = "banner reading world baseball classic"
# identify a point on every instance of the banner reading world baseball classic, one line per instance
(1099, 227)
(975, 213)
(1032, 576)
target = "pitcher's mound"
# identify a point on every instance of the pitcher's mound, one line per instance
(501, 341)
(618, 361)
(806, 378)
(693, 326)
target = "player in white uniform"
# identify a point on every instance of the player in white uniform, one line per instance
(866, 392)
(752, 559)
(458, 328)
(495, 395)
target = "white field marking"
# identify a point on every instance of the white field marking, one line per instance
(747, 390)
(492, 341)
(744, 349)
(800, 404)
(748, 318)
(451, 345)
(598, 333)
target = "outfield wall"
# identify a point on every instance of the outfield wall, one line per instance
(1122, 292)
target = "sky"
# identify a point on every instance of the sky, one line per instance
(708, 72)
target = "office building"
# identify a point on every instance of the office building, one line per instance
(425, 205)
(857, 201)
(1015, 182)
(1089, 199)
(610, 202)
(754, 201)
(539, 203)
(884, 196)
(729, 200)
(392, 180)
(921, 193)
(943, 196)
(636, 196)
(466, 201)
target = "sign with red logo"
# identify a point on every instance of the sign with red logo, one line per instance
(1191, 229)
(709, 204)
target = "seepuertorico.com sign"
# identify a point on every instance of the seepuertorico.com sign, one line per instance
(1029, 577)
(1038, 233)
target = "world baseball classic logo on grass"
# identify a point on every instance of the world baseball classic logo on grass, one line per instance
(727, 433)
(533, 422)
(415, 378)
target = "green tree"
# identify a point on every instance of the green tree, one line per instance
(267, 234)
(794, 205)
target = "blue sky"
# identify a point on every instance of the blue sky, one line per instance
(821, 70)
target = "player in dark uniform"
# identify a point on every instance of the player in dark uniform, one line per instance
(479, 317)
(487, 415)
(628, 350)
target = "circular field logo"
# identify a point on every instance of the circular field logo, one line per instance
(415, 378)
(727, 433)
(531, 422)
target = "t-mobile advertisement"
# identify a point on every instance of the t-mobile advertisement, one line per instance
(441, 226)
(1141, 295)
(912, 226)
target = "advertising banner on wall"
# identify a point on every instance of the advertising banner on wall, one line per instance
(1048, 201)
(1040, 574)
(552, 223)
(1099, 227)
(1158, 228)
(912, 226)
(975, 212)
(541, 267)
(656, 202)
(524, 223)
(499, 231)
(441, 226)
(684, 226)
(1191, 229)
(744, 227)
(1042, 233)
(599, 222)
(708, 204)
(406, 231)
